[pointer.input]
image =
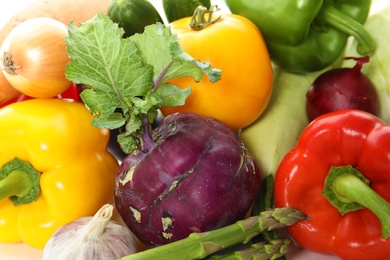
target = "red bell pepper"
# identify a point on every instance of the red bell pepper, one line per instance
(339, 175)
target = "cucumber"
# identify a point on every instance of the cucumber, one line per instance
(133, 15)
(177, 9)
(277, 130)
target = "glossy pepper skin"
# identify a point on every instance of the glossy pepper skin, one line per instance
(307, 35)
(343, 138)
(76, 172)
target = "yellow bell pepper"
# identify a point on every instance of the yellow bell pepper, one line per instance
(49, 147)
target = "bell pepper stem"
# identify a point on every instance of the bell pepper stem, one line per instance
(344, 23)
(349, 187)
(15, 184)
(19, 182)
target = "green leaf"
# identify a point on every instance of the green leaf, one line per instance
(127, 78)
(173, 96)
(167, 56)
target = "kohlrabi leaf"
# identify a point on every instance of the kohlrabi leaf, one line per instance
(126, 79)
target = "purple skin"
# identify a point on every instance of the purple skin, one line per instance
(342, 88)
(198, 176)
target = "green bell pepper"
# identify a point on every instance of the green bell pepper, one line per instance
(308, 35)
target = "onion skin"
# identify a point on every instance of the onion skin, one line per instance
(342, 88)
(34, 58)
(197, 177)
(7, 91)
(61, 10)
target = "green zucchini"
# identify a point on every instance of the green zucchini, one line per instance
(176, 9)
(133, 15)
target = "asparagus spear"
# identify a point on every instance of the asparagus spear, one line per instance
(200, 245)
(273, 249)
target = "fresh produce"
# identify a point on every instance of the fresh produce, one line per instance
(342, 88)
(195, 163)
(177, 9)
(338, 174)
(200, 245)
(377, 69)
(308, 36)
(233, 44)
(61, 10)
(277, 130)
(275, 249)
(34, 57)
(53, 140)
(133, 15)
(189, 161)
(93, 237)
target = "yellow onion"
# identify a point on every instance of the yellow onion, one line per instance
(34, 57)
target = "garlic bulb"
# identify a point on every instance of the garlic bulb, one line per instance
(97, 238)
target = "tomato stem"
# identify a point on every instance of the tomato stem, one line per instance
(203, 17)
(347, 189)
(19, 182)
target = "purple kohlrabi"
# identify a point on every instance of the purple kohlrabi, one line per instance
(198, 176)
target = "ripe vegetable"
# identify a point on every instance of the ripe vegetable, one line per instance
(233, 44)
(200, 245)
(74, 172)
(342, 88)
(96, 237)
(61, 10)
(195, 163)
(308, 35)
(338, 174)
(34, 57)
(133, 15)
(177, 9)
(188, 160)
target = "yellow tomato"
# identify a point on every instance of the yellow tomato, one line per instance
(236, 46)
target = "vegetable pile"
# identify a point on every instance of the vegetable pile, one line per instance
(236, 134)
(188, 161)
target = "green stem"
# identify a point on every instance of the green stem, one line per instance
(19, 182)
(15, 184)
(199, 20)
(348, 190)
(344, 23)
(200, 245)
